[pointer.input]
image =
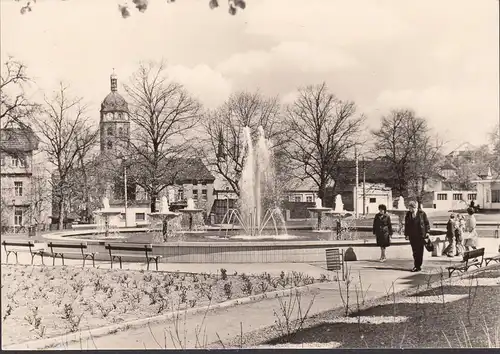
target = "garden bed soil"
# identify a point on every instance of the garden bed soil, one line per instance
(42, 302)
(428, 325)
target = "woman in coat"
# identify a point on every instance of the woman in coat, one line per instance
(382, 229)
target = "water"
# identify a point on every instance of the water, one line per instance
(258, 200)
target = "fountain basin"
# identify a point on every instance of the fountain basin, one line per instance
(246, 251)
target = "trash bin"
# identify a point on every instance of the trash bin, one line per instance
(436, 252)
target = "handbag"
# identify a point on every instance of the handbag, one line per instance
(429, 246)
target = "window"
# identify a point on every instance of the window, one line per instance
(110, 131)
(471, 196)
(2, 161)
(495, 195)
(298, 198)
(18, 188)
(442, 196)
(291, 198)
(309, 198)
(195, 194)
(203, 183)
(140, 216)
(487, 196)
(14, 162)
(457, 196)
(110, 145)
(195, 183)
(180, 194)
(203, 194)
(120, 131)
(18, 216)
(373, 200)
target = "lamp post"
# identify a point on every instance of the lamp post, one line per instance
(124, 162)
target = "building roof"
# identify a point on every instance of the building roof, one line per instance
(17, 140)
(193, 169)
(114, 102)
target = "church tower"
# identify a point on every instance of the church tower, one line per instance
(115, 121)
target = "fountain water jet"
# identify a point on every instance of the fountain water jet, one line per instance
(190, 209)
(105, 213)
(256, 209)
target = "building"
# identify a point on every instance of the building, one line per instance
(301, 190)
(488, 193)
(370, 196)
(23, 204)
(453, 199)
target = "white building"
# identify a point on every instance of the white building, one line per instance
(453, 200)
(373, 195)
(488, 192)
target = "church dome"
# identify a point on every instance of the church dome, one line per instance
(114, 101)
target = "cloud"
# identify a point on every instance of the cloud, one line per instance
(209, 86)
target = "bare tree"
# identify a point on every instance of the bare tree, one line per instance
(323, 129)
(16, 110)
(224, 146)
(404, 141)
(66, 132)
(162, 114)
(142, 5)
(495, 142)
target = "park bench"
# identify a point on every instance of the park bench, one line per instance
(59, 249)
(496, 258)
(23, 246)
(123, 250)
(470, 259)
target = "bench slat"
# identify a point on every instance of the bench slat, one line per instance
(67, 245)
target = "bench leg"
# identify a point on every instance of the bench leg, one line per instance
(93, 260)
(120, 259)
(7, 257)
(62, 258)
(41, 256)
(32, 257)
(147, 261)
(156, 261)
(17, 260)
(84, 258)
(111, 262)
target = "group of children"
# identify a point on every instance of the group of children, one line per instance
(461, 234)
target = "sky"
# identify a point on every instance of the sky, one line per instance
(439, 58)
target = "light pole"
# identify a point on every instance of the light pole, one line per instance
(124, 162)
(357, 182)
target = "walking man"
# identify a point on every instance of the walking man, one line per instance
(416, 230)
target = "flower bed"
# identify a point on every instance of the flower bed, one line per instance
(41, 302)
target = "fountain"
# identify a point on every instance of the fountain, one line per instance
(257, 188)
(400, 212)
(319, 209)
(190, 209)
(164, 215)
(106, 213)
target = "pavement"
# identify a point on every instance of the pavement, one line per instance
(223, 325)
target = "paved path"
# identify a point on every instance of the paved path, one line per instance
(377, 280)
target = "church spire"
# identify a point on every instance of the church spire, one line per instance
(114, 85)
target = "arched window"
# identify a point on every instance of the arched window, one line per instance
(110, 131)
(110, 145)
(120, 131)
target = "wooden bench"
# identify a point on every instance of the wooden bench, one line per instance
(59, 249)
(469, 260)
(496, 258)
(23, 246)
(133, 251)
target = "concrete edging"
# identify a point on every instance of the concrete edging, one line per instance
(45, 343)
